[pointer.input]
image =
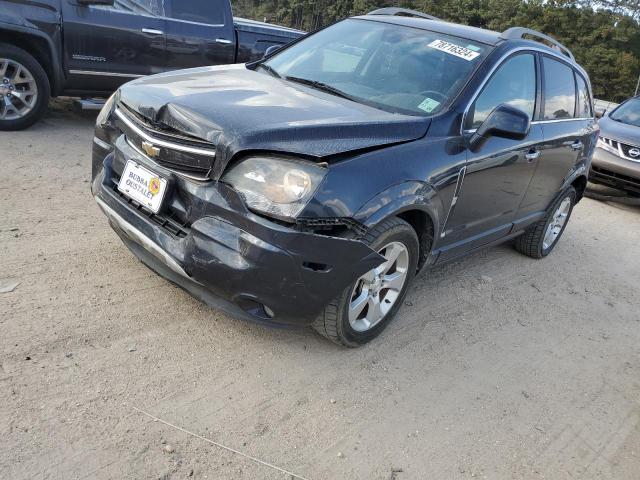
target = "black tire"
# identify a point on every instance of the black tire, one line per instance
(531, 242)
(333, 322)
(42, 83)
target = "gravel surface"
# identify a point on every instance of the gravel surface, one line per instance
(498, 366)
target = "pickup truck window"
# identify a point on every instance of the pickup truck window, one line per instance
(151, 8)
(200, 11)
(391, 67)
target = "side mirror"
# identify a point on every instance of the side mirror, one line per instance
(600, 112)
(504, 121)
(108, 3)
(271, 49)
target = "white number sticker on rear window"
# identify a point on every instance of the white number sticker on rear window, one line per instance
(453, 49)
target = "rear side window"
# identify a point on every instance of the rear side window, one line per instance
(584, 99)
(514, 84)
(559, 90)
(200, 11)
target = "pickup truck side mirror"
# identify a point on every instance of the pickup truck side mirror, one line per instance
(96, 2)
(271, 49)
(504, 121)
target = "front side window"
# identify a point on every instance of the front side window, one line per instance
(514, 84)
(200, 11)
(628, 112)
(149, 8)
(559, 90)
(391, 67)
(584, 99)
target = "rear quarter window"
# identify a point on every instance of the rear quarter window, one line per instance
(584, 99)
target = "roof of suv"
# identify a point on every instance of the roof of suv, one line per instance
(488, 37)
(472, 33)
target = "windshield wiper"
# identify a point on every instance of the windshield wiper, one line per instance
(321, 86)
(270, 69)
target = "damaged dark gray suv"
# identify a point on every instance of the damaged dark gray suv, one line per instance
(310, 187)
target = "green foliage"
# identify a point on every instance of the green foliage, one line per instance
(603, 35)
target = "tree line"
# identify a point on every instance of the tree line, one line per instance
(604, 35)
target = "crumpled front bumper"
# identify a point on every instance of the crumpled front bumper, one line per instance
(224, 254)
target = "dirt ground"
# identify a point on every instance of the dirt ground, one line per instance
(498, 366)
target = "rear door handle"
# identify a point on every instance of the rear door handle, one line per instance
(577, 145)
(532, 155)
(152, 31)
(223, 41)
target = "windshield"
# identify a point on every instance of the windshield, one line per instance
(396, 68)
(628, 112)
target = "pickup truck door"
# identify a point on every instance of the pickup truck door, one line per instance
(106, 46)
(199, 33)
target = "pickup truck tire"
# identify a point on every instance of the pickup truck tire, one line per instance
(540, 238)
(24, 88)
(335, 324)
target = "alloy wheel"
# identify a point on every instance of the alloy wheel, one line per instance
(376, 292)
(558, 219)
(18, 90)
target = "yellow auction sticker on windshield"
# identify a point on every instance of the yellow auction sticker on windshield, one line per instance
(453, 49)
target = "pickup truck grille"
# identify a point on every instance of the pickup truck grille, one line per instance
(185, 155)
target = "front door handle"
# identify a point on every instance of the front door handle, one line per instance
(223, 41)
(532, 155)
(577, 145)
(152, 31)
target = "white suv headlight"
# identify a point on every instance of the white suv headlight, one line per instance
(278, 187)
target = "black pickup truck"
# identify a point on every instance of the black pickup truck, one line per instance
(89, 48)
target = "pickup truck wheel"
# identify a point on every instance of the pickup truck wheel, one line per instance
(366, 307)
(540, 238)
(24, 89)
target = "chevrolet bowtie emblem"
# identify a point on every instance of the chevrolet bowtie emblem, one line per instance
(150, 149)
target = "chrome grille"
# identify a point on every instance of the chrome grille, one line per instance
(623, 149)
(183, 154)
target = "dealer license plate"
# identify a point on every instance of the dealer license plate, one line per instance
(143, 186)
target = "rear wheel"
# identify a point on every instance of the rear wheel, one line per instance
(366, 307)
(24, 89)
(540, 238)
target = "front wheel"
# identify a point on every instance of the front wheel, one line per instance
(540, 238)
(366, 307)
(24, 89)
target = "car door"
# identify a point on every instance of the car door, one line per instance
(497, 175)
(199, 33)
(108, 45)
(567, 125)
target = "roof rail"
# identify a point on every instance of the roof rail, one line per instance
(402, 12)
(517, 33)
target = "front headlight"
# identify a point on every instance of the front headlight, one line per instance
(278, 187)
(104, 114)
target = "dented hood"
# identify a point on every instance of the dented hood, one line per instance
(238, 109)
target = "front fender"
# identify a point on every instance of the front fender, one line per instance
(402, 197)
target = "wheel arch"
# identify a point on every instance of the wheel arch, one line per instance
(417, 203)
(580, 184)
(41, 47)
